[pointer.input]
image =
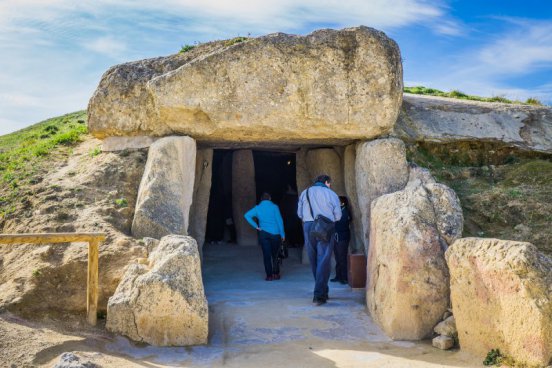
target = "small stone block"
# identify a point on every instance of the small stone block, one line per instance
(443, 342)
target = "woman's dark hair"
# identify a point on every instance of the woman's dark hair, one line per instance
(323, 178)
(344, 200)
(265, 196)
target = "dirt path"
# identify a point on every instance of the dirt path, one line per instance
(253, 323)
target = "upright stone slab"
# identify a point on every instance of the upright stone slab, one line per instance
(357, 245)
(327, 161)
(380, 168)
(243, 195)
(202, 191)
(501, 294)
(165, 194)
(162, 303)
(302, 174)
(407, 290)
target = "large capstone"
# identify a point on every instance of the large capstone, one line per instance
(165, 194)
(325, 87)
(408, 283)
(501, 294)
(162, 303)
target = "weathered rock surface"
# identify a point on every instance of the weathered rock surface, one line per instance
(349, 175)
(443, 342)
(326, 87)
(326, 161)
(244, 195)
(202, 191)
(407, 290)
(164, 303)
(70, 360)
(501, 293)
(439, 119)
(380, 168)
(446, 327)
(166, 190)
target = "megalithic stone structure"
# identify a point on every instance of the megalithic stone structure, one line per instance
(244, 195)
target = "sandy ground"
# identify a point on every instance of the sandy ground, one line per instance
(253, 323)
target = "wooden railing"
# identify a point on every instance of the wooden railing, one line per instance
(93, 240)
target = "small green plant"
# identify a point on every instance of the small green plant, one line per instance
(121, 202)
(36, 273)
(235, 40)
(494, 357)
(186, 48)
(96, 151)
(515, 193)
(533, 101)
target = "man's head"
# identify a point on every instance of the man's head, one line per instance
(325, 179)
(265, 196)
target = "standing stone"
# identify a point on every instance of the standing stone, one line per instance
(243, 195)
(349, 157)
(202, 191)
(302, 174)
(443, 342)
(165, 194)
(326, 161)
(162, 303)
(501, 294)
(380, 168)
(407, 290)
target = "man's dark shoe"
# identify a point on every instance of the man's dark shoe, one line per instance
(343, 282)
(319, 301)
(335, 279)
(268, 278)
(276, 276)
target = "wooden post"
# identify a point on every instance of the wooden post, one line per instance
(93, 240)
(92, 285)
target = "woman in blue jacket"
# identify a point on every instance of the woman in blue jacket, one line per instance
(271, 233)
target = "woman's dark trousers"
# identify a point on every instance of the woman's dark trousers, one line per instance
(270, 245)
(340, 251)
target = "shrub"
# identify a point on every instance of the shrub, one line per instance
(533, 101)
(96, 151)
(186, 48)
(121, 202)
(235, 40)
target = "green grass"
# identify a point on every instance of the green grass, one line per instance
(421, 90)
(24, 153)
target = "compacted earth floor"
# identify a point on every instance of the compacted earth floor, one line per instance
(253, 323)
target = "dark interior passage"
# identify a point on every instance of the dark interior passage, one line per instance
(275, 173)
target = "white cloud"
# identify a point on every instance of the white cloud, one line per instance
(108, 46)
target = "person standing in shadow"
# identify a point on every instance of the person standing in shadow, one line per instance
(343, 236)
(271, 233)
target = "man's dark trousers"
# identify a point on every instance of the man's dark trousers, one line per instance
(320, 257)
(270, 245)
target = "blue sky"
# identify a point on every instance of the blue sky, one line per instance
(53, 52)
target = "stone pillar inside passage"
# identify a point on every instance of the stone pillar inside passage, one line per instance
(380, 168)
(326, 161)
(356, 245)
(202, 190)
(165, 194)
(243, 195)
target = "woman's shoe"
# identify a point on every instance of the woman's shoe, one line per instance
(335, 279)
(268, 278)
(276, 276)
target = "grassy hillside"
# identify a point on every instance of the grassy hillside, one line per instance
(26, 154)
(510, 199)
(420, 90)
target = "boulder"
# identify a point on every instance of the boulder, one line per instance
(166, 190)
(71, 360)
(501, 293)
(380, 168)
(407, 290)
(162, 303)
(325, 87)
(446, 327)
(447, 120)
(443, 342)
